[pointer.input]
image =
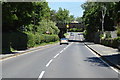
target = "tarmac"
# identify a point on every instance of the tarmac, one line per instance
(108, 54)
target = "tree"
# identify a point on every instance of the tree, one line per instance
(93, 12)
(53, 15)
(79, 19)
(71, 18)
(62, 15)
(14, 15)
(41, 11)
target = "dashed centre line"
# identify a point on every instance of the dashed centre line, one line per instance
(49, 62)
(41, 75)
(61, 51)
(43, 72)
(56, 55)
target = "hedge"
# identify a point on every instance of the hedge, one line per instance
(23, 40)
(50, 38)
(6, 43)
(31, 40)
(38, 39)
(111, 42)
(18, 40)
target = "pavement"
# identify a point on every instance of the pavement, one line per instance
(110, 55)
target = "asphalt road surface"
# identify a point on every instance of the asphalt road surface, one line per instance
(60, 61)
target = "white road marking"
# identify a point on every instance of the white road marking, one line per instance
(62, 51)
(56, 55)
(41, 75)
(49, 62)
(103, 60)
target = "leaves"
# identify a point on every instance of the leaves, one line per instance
(61, 16)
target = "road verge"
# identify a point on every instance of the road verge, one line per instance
(17, 53)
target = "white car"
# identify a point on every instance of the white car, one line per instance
(64, 41)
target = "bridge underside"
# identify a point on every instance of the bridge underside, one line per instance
(64, 26)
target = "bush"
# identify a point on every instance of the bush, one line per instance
(118, 31)
(111, 42)
(50, 38)
(6, 43)
(18, 40)
(31, 40)
(37, 38)
(23, 40)
(76, 30)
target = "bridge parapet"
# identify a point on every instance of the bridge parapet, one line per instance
(71, 25)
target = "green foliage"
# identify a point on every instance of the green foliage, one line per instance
(111, 42)
(108, 35)
(31, 40)
(50, 38)
(18, 40)
(49, 26)
(41, 11)
(14, 15)
(29, 28)
(27, 25)
(61, 16)
(38, 39)
(66, 34)
(6, 43)
(79, 19)
(118, 31)
(43, 27)
(54, 28)
(71, 18)
(76, 30)
(92, 16)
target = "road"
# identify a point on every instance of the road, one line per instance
(60, 61)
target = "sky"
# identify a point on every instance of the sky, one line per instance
(74, 7)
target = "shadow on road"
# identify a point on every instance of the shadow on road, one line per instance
(89, 43)
(114, 59)
(10, 53)
(96, 61)
(111, 59)
(75, 41)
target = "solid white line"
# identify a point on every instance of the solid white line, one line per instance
(49, 62)
(41, 75)
(103, 60)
